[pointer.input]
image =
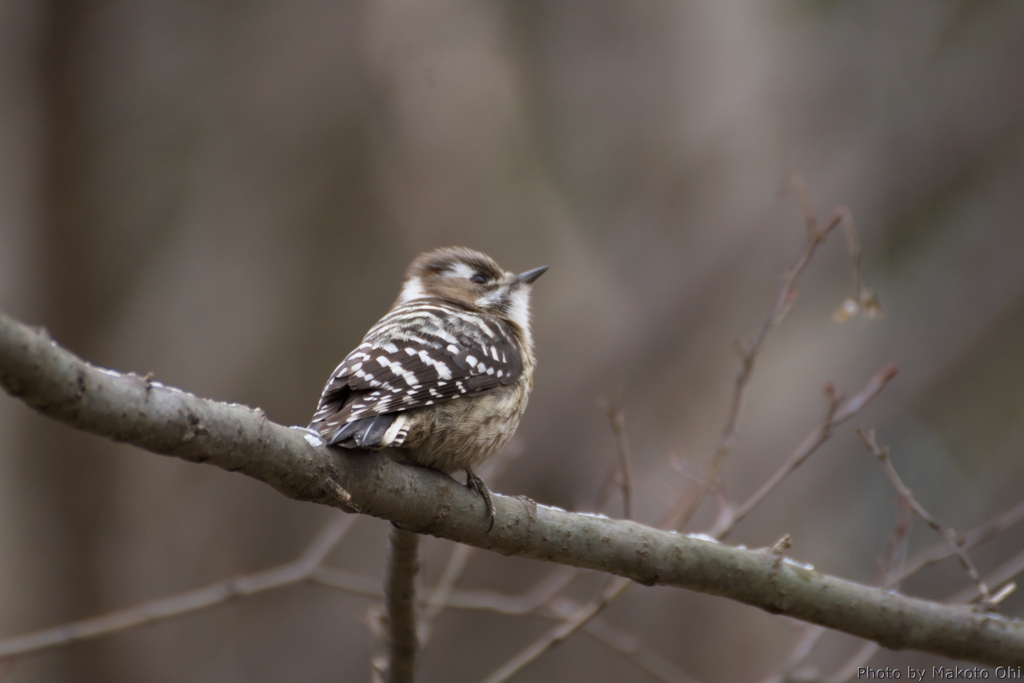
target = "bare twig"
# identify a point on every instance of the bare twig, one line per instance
(485, 600)
(849, 669)
(557, 634)
(625, 644)
(399, 603)
(584, 617)
(972, 538)
(1000, 576)
(617, 420)
(936, 553)
(442, 593)
(838, 412)
(895, 545)
(895, 575)
(526, 603)
(800, 651)
(784, 299)
(895, 552)
(947, 534)
(349, 582)
(539, 600)
(190, 601)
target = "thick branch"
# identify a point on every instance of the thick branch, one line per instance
(239, 439)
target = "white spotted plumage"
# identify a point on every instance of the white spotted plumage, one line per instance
(414, 362)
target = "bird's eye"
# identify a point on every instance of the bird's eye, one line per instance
(478, 278)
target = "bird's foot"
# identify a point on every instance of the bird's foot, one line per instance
(477, 484)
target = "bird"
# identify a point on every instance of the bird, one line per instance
(443, 379)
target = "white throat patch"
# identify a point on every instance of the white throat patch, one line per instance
(519, 310)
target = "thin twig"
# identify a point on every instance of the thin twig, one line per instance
(895, 552)
(895, 545)
(217, 593)
(972, 538)
(1000, 576)
(484, 600)
(349, 582)
(625, 644)
(838, 412)
(585, 617)
(800, 651)
(617, 420)
(539, 600)
(947, 534)
(849, 669)
(615, 587)
(784, 299)
(1005, 572)
(525, 603)
(441, 595)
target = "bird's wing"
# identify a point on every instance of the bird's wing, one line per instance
(419, 355)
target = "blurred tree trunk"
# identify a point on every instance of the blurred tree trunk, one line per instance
(73, 474)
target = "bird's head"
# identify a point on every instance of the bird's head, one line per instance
(471, 280)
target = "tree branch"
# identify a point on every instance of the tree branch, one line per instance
(300, 569)
(399, 600)
(784, 300)
(948, 535)
(239, 439)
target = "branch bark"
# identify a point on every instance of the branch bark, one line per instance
(237, 438)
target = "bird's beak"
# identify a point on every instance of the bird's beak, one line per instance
(529, 276)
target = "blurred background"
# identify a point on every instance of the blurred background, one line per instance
(227, 194)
